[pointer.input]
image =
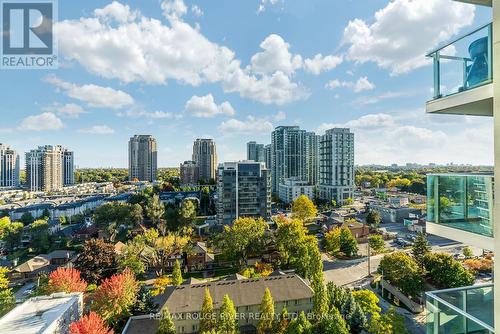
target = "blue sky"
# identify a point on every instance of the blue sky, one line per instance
(233, 70)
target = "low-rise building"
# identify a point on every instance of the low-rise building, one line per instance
(184, 302)
(199, 258)
(290, 189)
(41, 264)
(391, 214)
(397, 201)
(44, 314)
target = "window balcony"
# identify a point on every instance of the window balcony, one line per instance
(460, 207)
(460, 310)
(463, 75)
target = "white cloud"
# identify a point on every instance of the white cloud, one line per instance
(404, 31)
(367, 100)
(147, 114)
(146, 50)
(116, 11)
(362, 84)
(249, 125)
(205, 106)
(93, 95)
(41, 122)
(98, 130)
(322, 63)
(197, 11)
(70, 110)
(173, 9)
(275, 57)
(265, 3)
(366, 122)
(280, 116)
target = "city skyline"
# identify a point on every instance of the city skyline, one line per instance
(316, 66)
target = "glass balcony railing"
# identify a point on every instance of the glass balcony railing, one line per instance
(461, 201)
(464, 63)
(460, 311)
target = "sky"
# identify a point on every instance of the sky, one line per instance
(234, 70)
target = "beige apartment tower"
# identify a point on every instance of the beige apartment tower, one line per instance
(205, 156)
(142, 158)
(49, 168)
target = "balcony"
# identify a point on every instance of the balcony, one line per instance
(460, 207)
(461, 310)
(463, 75)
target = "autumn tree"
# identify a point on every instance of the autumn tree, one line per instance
(227, 317)
(166, 325)
(116, 295)
(266, 315)
(90, 324)
(304, 209)
(96, 261)
(373, 218)
(177, 274)
(207, 314)
(7, 300)
(367, 300)
(332, 241)
(66, 280)
(246, 236)
(281, 323)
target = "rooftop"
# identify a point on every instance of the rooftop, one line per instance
(36, 314)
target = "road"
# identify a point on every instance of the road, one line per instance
(22, 294)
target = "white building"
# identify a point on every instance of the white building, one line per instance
(43, 315)
(291, 189)
(9, 167)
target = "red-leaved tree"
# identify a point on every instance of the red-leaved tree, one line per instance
(113, 299)
(90, 324)
(66, 280)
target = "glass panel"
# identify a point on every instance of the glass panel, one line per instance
(464, 202)
(464, 64)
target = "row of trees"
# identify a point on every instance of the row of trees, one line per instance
(12, 232)
(341, 242)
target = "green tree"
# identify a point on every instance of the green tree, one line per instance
(353, 315)
(368, 301)
(227, 317)
(208, 321)
(420, 249)
(334, 323)
(373, 218)
(12, 235)
(187, 212)
(155, 210)
(131, 256)
(177, 274)
(282, 322)
(332, 241)
(446, 272)
(348, 201)
(467, 252)
(39, 233)
(266, 315)
(402, 271)
(348, 244)
(27, 218)
(376, 243)
(299, 325)
(7, 300)
(304, 209)
(166, 325)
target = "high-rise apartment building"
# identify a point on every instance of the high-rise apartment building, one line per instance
(49, 168)
(190, 173)
(336, 161)
(9, 167)
(268, 156)
(142, 158)
(205, 156)
(294, 155)
(243, 190)
(466, 207)
(256, 152)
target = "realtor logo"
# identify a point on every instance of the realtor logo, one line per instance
(27, 30)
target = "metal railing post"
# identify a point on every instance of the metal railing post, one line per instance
(437, 76)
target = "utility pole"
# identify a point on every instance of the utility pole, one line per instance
(369, 266)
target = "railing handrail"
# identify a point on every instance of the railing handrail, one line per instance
(430, 54)
(458, 310)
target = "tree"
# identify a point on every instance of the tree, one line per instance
(39, 232)
(144, 303)
(113, 216)
(208, 318)
(376, 243)
(187, 212)
(227, 317)
(348, 244)
(4, 223)
(353, 314)
(7, 300)
(12, 235)
(348, 201)
(116, 295)
(166, 325)
(373, 218)
(388, 323)
(332, 324)
(282, 322)
(244, 237)
(131, 257)
(467, 252)
(96, 261)
(320, 303)
(66, 280)
(332, 239)
(446, 272)
(90, 324)
(177, 274)
(304, 209)
(266, 315)
(155, 209)
(420, 249)
(367, 300)
(402, 271)
(299, 325)
(27, 218)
